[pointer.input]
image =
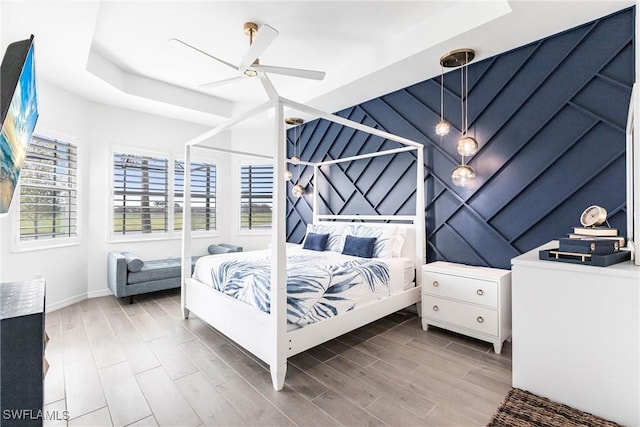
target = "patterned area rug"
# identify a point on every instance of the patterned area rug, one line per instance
(523, 409)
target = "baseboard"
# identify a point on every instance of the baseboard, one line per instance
(78, 298)
(100, 293)
(65, 302)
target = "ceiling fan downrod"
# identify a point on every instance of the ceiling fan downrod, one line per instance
(251, 28)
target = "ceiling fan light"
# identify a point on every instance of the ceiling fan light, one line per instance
(297, 190)
(467, 146)
(250, 73)
(463, 175)
(442, 128)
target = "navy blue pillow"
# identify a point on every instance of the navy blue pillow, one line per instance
(316, 242)
(359, 246)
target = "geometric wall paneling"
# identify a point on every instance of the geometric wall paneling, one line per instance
(355, 187)
(549, 118)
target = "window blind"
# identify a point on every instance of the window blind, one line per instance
(49, 190)
(140, 194)
(203, 196)
(256, 199)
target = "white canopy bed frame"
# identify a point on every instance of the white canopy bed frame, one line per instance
(266, 335)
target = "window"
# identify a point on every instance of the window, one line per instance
(256, 199)
(203, 196)
(140, 194)
(49, 190)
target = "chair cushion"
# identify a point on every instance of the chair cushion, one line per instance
(158, 270)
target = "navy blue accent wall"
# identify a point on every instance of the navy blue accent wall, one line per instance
(550, 120)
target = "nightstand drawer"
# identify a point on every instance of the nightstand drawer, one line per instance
(478, 319)
(466, 289)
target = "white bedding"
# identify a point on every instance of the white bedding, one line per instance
(245, 276)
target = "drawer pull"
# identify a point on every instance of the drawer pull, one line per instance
(480, 319)
(435, 283)
(480, 292)
(435, 308)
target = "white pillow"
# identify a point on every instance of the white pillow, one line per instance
(388, 244)
(398, 242)
(335, 231)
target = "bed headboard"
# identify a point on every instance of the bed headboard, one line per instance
(413, 235)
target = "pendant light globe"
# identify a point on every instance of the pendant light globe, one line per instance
(467, 146)
(442, 128)
(297, 190)
(462, 175)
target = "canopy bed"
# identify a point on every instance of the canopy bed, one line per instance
(281, 324)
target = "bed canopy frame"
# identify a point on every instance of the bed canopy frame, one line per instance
(266, 335)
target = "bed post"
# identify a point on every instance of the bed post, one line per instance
(421, 254)
(316, 192)
(419, 222)
(278, 364)
(185, 271)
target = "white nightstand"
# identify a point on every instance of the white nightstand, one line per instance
(474, 301)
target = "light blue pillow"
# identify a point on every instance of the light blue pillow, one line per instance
(134, 263)
(359, 246)
(316, 242)
(217, 249)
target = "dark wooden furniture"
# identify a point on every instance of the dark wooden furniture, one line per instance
(22, 362)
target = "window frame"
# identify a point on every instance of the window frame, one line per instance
(20, 245)
(164, 175)
(171, 233)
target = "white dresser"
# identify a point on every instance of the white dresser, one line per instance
(576, 334)
(474, 301)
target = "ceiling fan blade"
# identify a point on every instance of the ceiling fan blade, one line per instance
(204, 53)
(265, 36)
(220, 82)
(294, 72)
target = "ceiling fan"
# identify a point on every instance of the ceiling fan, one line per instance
(250, 64)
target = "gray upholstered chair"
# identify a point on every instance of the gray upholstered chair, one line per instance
(128, 275)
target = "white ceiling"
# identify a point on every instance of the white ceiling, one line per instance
(117, 52)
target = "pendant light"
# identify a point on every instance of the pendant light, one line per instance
(297, 190)
(467, 145)
(442, 128)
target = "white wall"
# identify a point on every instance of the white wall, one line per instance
(76, 272)
(114, 127)
(62, 115)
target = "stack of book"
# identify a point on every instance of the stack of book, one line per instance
(599, 246)
(604, 233)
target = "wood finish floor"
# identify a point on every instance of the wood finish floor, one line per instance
(143, 365)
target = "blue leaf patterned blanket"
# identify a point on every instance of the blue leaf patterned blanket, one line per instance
(319, 285)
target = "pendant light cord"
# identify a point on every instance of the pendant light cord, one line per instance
(464, 104)
(297, 133)
(462, 119)
(466, 94)
(441, 92)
